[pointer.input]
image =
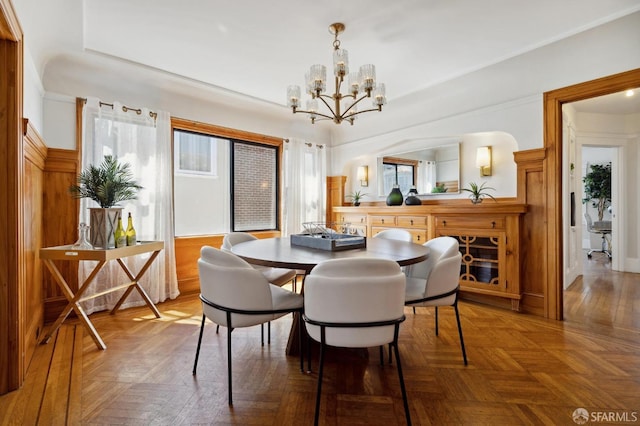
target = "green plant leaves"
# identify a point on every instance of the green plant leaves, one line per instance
(108, 184)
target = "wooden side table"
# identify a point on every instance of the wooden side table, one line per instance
(102, 256)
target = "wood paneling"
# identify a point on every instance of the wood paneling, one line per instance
(335, 194)
(60, 222)
(188, 252)
(35, 152)
(12, 271)
(531, 191)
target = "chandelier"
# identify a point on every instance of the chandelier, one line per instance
(360, 85)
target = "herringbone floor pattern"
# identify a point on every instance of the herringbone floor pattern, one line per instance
(522, 370)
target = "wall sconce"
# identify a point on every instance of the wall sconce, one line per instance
(363, 175)
(483, 160)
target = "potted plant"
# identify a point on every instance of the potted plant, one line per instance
(478, 192)
(107, 184)
(356, 196)
(597, 187)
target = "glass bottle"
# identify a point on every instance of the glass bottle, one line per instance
(131, 232)
(83, 238)
(119, 235)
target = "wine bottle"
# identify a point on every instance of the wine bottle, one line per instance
(119, 235)
(131, 232)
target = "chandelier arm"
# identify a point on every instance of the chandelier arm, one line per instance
(321, 97)
(364, 110)
(379, 108)
(355, 102)
(328, 117)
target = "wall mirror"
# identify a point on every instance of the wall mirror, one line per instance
(433, 170)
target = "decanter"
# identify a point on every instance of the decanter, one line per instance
(83, 240)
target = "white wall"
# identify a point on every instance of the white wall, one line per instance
(500, 105)
(602, 138)
(33, 92)
(622, 133)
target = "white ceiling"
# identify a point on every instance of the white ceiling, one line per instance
(615, 103)
(257, 48)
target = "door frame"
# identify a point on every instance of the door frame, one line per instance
(12, 273)
(553, 145)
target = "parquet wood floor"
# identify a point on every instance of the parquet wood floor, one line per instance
(522, 370)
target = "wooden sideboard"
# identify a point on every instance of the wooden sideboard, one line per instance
(489, 237)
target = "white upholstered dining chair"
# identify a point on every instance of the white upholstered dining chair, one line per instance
(355, 303)
(276, 276)
(235, 295)
(436, 281)
(395, 234)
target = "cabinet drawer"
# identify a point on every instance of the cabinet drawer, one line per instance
(412, 222)
(353, 219)
(471, 222)
(419, 235)
(382, 220)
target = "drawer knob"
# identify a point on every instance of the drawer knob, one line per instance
(418, 237)
(444, 223)
(411, 221)
(381, 220)
(493, 224)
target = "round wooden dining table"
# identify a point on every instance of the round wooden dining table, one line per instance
(280, 253)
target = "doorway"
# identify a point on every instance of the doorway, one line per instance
(553, 280)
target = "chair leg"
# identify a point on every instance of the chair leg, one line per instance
(436, 320)
(381, 356)
(300, 341)
(320, 371)
(402, 387)
(195, 363)
(217, 328)
(464, 352)
(308, 354)
(262, 334)
(269, 333)
(414, 310)
(229, 363)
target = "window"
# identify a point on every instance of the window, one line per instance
(194, 153)
(255, 183)
(398, 173)
(224, 180)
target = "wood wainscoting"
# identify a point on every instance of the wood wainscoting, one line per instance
(188, 252)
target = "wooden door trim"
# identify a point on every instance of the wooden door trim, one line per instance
(12, 273)
(553, 102)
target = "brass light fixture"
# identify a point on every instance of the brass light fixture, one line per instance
(483, 160)
(361, 84)
(363, 175)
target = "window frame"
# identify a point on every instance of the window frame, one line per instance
(233, 179)
(177, 148)
(240, 136)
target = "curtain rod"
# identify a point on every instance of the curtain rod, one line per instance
(125, 108)
(307, 144)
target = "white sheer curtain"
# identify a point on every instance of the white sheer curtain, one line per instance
(304, 171)
(430, 175)
(145, 143)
